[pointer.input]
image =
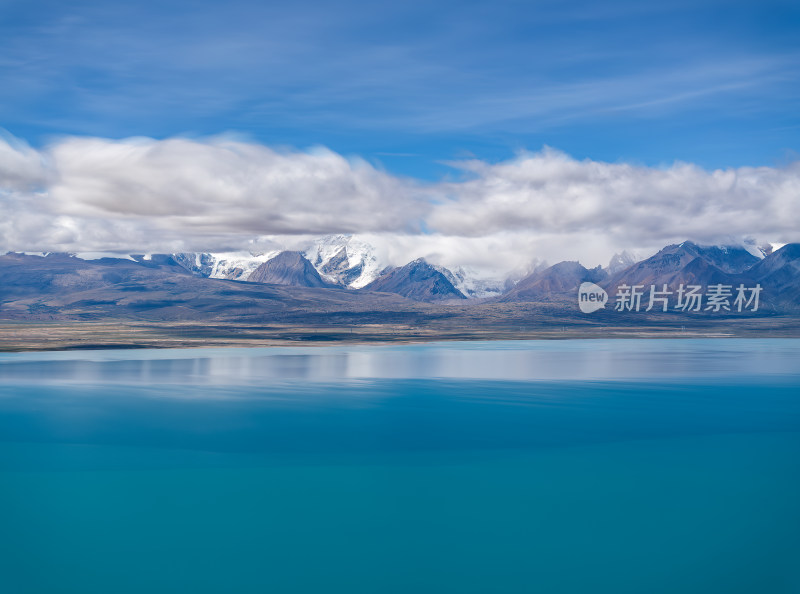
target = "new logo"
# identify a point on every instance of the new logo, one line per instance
(591, 297)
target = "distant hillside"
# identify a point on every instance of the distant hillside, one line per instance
(686, 263)
(779, 275)
(416, 280)
(690, 264)
(62, 287)
(558, 282)
(288, 268)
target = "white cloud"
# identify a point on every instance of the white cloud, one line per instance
(549, 192)
(21, 167)
(222, 186)
(144, 195)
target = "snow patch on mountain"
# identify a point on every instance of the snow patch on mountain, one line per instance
(104, 255)
(37, 254)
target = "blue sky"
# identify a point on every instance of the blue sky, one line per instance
(411, 85)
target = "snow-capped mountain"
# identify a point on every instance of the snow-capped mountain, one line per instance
(345, 260)
(467, 282)
(227, 265)
(340, 260)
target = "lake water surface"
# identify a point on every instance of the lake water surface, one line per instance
(582, 466)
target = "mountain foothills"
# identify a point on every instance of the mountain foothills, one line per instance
(340, 284)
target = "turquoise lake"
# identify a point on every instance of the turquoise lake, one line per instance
(576, 466)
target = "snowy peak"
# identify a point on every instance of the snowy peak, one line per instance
(348, 261)
(621, 261)
(345, 260)
(200, 264)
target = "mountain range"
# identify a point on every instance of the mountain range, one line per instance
(340, 260)
(345, 275)
(687, 263)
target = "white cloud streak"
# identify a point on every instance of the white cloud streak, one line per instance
(145, 195)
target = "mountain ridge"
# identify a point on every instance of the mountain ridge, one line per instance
(288, 268)
(416, 280)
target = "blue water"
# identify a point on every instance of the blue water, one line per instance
(563, 467)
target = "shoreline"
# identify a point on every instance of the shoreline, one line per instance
(34, 336)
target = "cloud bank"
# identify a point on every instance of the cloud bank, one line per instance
(145, 195)
(550, 192)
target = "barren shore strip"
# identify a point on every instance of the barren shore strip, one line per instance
(19, 335)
